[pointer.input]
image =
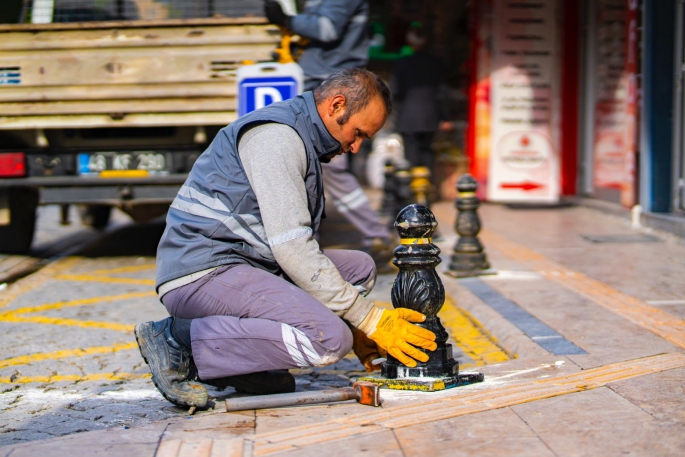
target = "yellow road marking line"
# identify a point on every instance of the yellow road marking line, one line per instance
(89, 278)
(662, 323)
(111, 271)
(36, 279)
(471, 336)
(79, 302)
(470, 402)
(74, 378)
(65, 353)
(19, 315)
(68, 322)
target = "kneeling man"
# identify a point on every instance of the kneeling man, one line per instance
(250, 292)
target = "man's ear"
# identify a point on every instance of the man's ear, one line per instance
(337, 105)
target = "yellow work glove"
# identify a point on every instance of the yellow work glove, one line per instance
(366, 350)
(393, 331)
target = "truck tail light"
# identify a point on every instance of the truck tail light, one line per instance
(12, 164)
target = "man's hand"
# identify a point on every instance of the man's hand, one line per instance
(274, 13)
(366, 350)
(393, 331)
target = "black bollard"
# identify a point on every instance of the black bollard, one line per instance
(388, 202)
(468, 258)
(403, 193)
(419, 287)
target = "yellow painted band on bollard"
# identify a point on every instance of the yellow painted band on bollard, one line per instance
(416, 240)
(467, 194)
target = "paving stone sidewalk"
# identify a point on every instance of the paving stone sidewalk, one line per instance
(620, 302)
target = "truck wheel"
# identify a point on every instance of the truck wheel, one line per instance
(96, 216)
(16, 237)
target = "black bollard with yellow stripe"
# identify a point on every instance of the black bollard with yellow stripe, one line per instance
(421, 186)
(418, 287)
(468, 257)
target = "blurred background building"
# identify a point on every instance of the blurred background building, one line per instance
(549, 99)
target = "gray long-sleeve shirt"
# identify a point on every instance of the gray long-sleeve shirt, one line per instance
(274, 159)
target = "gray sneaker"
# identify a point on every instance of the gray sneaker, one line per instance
(169, 363)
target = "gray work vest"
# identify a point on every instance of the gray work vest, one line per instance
(215, 218)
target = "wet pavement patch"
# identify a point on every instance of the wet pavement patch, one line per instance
(545, 336)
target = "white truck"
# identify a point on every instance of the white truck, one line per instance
(107, 103)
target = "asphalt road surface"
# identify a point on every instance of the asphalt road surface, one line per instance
(69, 360)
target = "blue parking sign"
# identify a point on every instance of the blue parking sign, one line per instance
(265, 83)
(255, 93)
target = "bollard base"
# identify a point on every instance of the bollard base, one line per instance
(425, 384)
(471, 273)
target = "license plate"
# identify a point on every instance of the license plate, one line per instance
(121, 164)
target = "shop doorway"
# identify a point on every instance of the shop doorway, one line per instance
(679, 115)
(610, 102)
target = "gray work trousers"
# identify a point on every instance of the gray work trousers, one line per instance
(350, 200)
(246, 320)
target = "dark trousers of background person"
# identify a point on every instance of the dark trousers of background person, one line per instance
(417, 149)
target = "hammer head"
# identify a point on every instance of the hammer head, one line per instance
(369, 393)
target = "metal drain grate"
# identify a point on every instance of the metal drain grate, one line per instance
(629, 238)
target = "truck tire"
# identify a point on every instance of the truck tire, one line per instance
(96, 216)
(16, 237)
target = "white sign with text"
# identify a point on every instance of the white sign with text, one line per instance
(524, 89)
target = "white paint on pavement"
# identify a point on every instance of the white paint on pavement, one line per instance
(55, 397)
(665, 302)
(513, 274)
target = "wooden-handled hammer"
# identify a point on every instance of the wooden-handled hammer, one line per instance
(366, 393)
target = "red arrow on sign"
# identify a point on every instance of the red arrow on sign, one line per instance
(527, 185)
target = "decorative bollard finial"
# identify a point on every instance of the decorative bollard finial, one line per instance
(419, 287)
(468, 258)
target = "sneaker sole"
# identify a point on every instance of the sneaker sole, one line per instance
(143, 347)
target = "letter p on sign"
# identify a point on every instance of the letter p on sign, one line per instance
(263, 84)
(262, 94)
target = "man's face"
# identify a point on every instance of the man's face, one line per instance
(361, 125)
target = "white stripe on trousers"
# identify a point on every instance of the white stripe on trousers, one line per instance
(351, 201)
(291, 336)
(291, 345)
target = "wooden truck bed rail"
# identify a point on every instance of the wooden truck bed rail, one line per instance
(133, 73)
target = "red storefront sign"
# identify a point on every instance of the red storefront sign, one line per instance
(514, 138)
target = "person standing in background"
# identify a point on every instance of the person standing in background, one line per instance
(420, 92)
(338, 39)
